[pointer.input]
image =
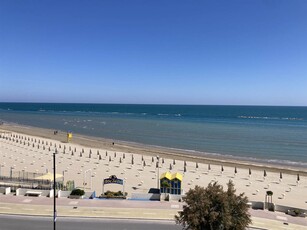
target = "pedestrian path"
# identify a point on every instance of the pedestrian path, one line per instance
(131, 210)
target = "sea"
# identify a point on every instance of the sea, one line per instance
(268, 134)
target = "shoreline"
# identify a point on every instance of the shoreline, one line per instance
(149, 150)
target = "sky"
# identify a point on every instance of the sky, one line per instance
(220, 52)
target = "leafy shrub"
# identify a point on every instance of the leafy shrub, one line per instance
(77, 192)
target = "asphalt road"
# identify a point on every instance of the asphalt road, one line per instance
(46, 223)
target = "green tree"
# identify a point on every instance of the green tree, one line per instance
(213, 208)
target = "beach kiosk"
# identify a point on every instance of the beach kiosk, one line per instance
(176, 184)
(171, 183)
(165, 182)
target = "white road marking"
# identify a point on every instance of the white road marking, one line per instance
(281, 218)
(73, 202)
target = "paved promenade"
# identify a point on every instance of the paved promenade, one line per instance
(43, 206)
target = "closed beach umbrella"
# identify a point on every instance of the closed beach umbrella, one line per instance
(152, 159)
(110, 159)
(124, 155)
(280, 175)
(249, 172)
(162, 160)
(157, 164)
(142, 158)
(184, 169)
(144, 163)
(106, 153)
(196, 165)
(185, 163)
(236, 170)
(100, 157)
(120, 160)
(170, 167)
(298, 177)
(264, 173)
(222, 169)
(174, 162)
(209, 167)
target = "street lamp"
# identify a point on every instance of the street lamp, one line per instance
(54, 190)
(88, 170)
(158, 172)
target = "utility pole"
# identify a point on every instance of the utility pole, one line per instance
(54, 191)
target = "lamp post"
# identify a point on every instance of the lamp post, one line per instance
(158, 172)
(85, 177)
(54, 188)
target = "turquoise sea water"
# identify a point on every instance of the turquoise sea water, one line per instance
(262, 133)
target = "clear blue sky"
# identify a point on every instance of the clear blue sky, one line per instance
(170, 51)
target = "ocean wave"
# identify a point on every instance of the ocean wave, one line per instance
(272, 118)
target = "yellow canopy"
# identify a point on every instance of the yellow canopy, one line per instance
(166, 175)
(176, 176)
(49, 176)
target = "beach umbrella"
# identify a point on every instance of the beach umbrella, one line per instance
(185, 163)
(174, 162)
(82, 150)
(196, 165)
(132, 160)
(152, 159)
(170, 167)
(280, 175)
(236, 171)
(209, 167)
(90, 151)
(120, 160)
(80, 154)
(162, 160)
(106, 153)
(89, 155)
(75, 149)
(222, 169)
(100, 157)
(124, 155)
(142, 158)
(110, 159)
(97, 152)
(249, 172)
(157, 164)
(72, 153)
(114, 154)
(264, 174)
(184, 169)
(298, 178)
(144, 163)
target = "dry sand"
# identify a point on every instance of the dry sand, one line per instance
(139, 178)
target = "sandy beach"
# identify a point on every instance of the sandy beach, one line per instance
(116, 159)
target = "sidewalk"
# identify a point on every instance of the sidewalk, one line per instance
(129, 209)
